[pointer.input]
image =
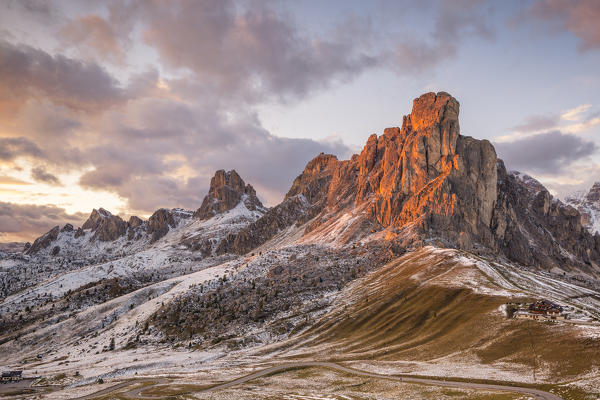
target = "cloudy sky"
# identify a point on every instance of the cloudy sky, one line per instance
(132, 105)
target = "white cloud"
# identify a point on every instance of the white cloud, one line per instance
(574, 114)
(582, 126)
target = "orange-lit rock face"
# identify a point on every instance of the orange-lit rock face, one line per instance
(411, 160)
(424, 172)
(424, 181)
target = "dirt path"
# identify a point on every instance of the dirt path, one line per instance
(137, 393)
(107, 390)
(539, 394)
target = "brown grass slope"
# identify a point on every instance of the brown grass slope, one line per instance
(408, 310)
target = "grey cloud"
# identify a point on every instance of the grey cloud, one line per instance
(40, 8)
(546, 153)
(43, 120)
(580, 177)
(248, 52)
(454, 21)
(27, 221)
(27, 72)
(236, 56)
(93, 34)
(537, 122)
(577, 16)
(136, 167)
(40, 174)
(14, 147)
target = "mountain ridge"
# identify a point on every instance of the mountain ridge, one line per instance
(421, 182)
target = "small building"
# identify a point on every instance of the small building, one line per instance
(541, 310)
(545, 307)
(12, 376)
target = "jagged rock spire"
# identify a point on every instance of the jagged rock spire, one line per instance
(226, 191)
(106, 227)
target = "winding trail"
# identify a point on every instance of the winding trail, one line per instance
(138, 393)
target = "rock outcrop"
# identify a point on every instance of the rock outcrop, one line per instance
(134, 222)
(105, 226)
(159, 224)
(424, 173)
(43, 241)
(227, 190)
(133, 227)
(79, 233)
(67, 228)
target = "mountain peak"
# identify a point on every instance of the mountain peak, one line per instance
(43, 241)
(588, 205)
(425, 181)
(95, 218)
(226, 191)
(106, 226)
(228, 178)
(593, 196)
(430, 109)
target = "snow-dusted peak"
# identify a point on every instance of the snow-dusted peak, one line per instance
(588, 204)
(227, 189)
(104, 213)
(529, 182)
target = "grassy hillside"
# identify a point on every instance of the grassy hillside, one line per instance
(426, 306)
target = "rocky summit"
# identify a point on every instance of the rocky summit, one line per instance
(106, 227)
(427, 179)
(424, 174)
(226, 191)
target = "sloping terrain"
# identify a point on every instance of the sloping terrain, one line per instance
(439, 308)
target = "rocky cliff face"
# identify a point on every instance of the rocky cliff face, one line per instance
(159, 223)
(292, 210)
(424, 174)
(444, 186)
(227, 189)
(588, 204)
(533, 228)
